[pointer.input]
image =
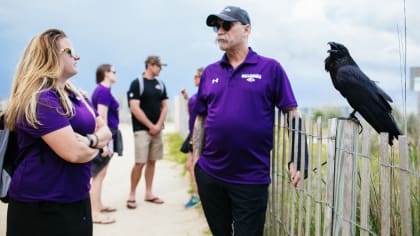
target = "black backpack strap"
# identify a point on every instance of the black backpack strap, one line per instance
(141, 85)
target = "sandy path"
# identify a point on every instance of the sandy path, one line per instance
(148, 219)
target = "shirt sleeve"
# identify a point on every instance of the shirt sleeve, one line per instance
(50, 114)
(164, 93)
(134, 91)
(283, 94)
(104, 98)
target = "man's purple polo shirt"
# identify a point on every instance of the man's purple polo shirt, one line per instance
(239, 108)
(43, 175)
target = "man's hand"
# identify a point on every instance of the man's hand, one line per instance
(155, 130)
(294, 175)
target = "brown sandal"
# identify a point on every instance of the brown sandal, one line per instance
(131, 204)
(108, 209)
(155, 200)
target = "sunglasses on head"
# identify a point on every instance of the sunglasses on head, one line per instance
(225, 25)
(69, 51)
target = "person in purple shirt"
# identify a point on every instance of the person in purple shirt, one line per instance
(233, 131)
(107, 106)
(58, 134)
(190, 162)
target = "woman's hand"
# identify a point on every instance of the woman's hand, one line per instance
(102, 134)
(106, 152)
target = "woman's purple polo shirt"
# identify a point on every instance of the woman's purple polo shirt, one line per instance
(102, 95)
(239, 108)
(192, 112)
(49, 177)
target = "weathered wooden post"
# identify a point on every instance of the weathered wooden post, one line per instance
(345, 173)
(331, 142)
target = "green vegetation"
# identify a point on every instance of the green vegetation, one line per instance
(413, 134)
(173, 142)
(327, 113)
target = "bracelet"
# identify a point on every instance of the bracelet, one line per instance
(89, 137)
(97, 140)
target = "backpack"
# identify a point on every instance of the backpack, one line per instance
(9, 158)
(141, 88)
(8, 154)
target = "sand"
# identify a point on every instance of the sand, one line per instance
(170, 218)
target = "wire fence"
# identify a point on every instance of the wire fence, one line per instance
(356, 184)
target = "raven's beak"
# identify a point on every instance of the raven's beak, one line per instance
(333, 46)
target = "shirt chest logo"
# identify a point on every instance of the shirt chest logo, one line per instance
(215, 81)
(251, 77)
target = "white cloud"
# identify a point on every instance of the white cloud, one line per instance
(294, 32)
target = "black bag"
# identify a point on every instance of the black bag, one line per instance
(8, 153)
(10, 157)
(117, 141)
(186, 145)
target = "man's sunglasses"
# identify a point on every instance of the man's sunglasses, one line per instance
(69, 51)
(225, 25)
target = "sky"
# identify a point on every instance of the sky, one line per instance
(294, 32)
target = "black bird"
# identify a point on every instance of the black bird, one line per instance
(363, 95)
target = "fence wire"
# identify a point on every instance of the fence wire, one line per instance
(288, 212)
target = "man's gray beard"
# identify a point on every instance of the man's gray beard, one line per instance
(222, 37)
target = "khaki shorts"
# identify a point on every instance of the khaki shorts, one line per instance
(147, 147)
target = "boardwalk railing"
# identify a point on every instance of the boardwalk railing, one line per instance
(356, 183)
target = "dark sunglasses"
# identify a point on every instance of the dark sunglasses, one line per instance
(225, 25)
(69, 51)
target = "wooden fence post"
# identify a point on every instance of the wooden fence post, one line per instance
(292, 189)
(309, 180)
(406, 226)
(285, 180)
(332, 130)
(365, 184)
(301, 186)
(284, 194)
(318, 179)
(385, 186)
(344, 195)
(275, 159)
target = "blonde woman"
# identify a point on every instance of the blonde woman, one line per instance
(59, 134)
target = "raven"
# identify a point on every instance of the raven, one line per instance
(363, 95)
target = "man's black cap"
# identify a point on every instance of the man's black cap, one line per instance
(229, 13)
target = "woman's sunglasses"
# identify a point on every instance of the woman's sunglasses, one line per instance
(69, 51)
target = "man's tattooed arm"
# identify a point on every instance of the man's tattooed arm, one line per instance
(198, 136)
